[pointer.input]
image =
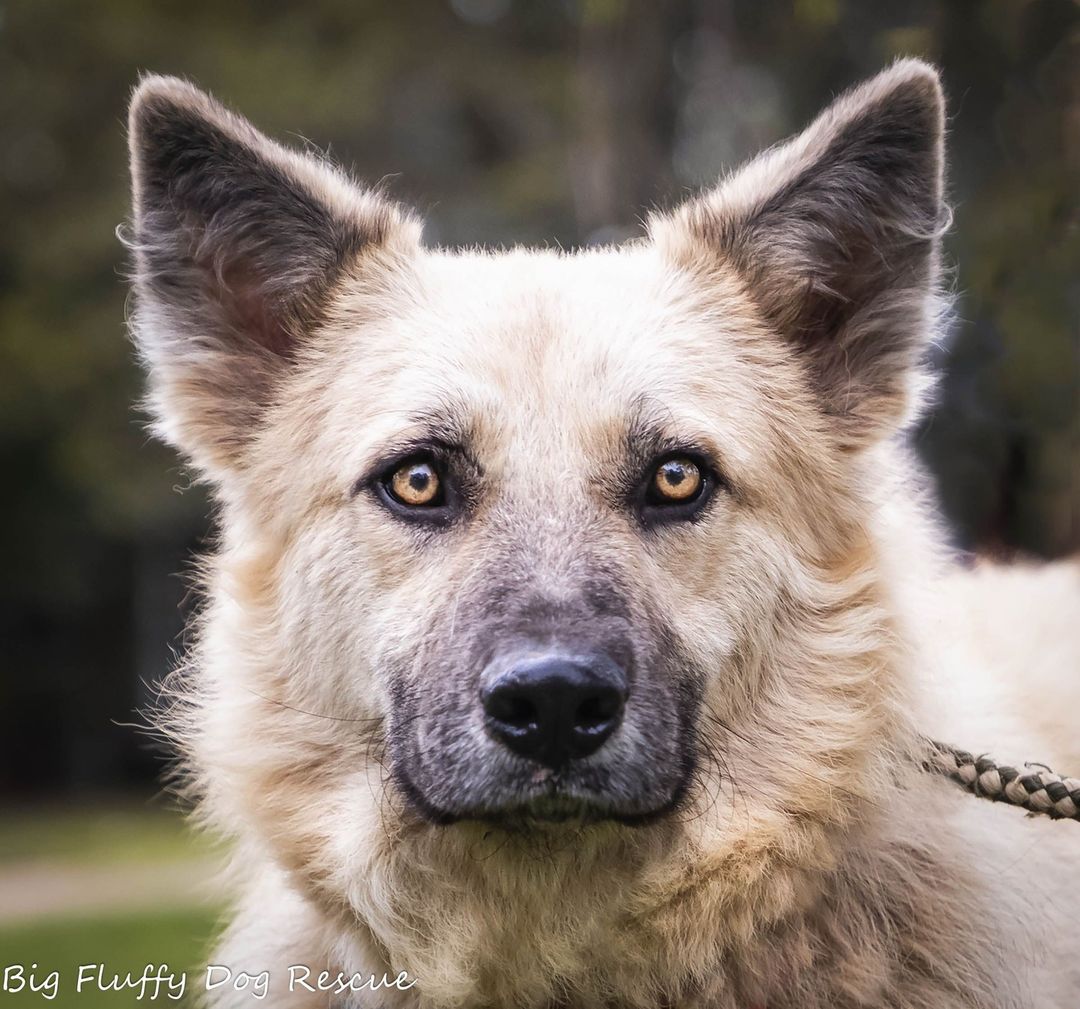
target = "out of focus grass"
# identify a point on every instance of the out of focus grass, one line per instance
(123, 943)
(112, 834)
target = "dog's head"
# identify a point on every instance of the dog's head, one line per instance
(544, 535)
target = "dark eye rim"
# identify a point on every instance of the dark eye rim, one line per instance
(653, 509)
(439, 512)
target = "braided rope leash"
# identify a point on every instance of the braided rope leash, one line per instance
(1036, 788)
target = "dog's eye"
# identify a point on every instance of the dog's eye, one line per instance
(416, 484)
(675, 490)
(676, 481)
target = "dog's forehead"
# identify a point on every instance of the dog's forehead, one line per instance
(536, 354)
(610, 304)
(556, 334)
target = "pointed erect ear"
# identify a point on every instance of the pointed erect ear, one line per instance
(835, 236)
(238, 243)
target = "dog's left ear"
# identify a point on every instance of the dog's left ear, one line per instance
(835, 236)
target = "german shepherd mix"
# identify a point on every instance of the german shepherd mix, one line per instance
(577, 617)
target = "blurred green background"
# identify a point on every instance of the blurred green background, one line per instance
(503, 121)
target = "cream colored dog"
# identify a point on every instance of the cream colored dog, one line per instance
(576, 617)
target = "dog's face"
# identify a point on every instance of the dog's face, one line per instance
(527, 529)
(530, 536)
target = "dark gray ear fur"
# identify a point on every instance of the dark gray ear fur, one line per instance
(836, 236)
(237, 242)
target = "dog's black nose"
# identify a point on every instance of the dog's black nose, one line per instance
(555, 708)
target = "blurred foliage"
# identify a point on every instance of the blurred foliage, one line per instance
(505, 121)
(102, 833)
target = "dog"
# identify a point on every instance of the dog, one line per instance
(578, 617)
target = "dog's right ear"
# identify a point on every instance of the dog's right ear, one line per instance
(237, 243)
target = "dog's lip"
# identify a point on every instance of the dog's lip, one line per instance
(549, 808)
(574, 813)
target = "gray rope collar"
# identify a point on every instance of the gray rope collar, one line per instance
(1035, 787)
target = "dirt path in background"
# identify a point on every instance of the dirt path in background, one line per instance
(36, 890)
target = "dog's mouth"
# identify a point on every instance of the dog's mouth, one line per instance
(552, 808)
(556, 810)
(551, 803)
(565, 751)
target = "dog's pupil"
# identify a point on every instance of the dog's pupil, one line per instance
(415, 484)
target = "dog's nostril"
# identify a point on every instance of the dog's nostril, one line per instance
(556, 709)
(512, 709)
(596, 711)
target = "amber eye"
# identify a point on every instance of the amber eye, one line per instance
(676, 481)
(416, 484)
